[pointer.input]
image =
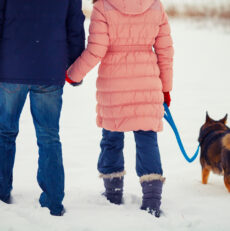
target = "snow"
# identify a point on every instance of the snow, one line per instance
(201, 82)
(87, 4)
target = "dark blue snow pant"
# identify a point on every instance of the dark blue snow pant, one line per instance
(111, 159)
(45, 104)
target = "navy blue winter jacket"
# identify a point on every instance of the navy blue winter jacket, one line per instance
(39, 39)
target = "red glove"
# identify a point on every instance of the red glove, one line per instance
(70, 81)
(167, 98)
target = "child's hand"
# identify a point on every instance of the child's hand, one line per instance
(167, 98)
(70, 81)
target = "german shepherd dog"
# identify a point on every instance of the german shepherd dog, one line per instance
(214, 140)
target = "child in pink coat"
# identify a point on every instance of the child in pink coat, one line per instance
(131, 39)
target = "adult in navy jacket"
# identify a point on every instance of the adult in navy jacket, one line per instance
(39, 40)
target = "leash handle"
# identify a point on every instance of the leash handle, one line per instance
(170, 120)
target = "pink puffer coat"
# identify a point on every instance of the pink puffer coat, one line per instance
(132, 76)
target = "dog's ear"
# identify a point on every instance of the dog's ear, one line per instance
(208, 119)
(224, 120)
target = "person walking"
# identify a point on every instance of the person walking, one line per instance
(132, 40)
(39, 40)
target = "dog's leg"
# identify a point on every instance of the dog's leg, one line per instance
(227, 182)
(205, 175)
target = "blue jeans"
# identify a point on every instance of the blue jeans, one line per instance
(45, 104)
(111, 158)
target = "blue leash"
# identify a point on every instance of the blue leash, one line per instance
(169, 119)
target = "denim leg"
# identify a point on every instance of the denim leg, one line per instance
(12, 99)
(111, 159)
(46, 104)
(147, 153)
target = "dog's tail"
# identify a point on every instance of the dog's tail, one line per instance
(226, 141)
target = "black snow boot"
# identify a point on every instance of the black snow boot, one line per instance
(114, 189)
(151, 200)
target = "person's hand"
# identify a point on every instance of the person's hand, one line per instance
(167, 98)
(70, 81)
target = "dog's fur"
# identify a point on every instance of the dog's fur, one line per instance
(214, 140)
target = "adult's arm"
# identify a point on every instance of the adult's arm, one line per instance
(75, 30)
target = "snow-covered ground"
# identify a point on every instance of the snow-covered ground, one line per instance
(201, 82)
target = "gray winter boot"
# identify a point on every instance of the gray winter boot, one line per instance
(114, 187)
(152, 190)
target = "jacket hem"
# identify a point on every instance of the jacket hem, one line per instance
(32, 82)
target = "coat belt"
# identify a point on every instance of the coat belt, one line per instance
(125, 48)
